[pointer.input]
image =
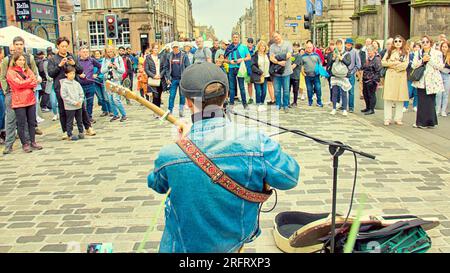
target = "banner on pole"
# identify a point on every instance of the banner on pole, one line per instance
(309, 6)
(319, 7)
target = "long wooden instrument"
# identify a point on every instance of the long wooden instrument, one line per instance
(127, 93)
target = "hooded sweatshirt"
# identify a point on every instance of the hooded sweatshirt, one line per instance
(71, 93)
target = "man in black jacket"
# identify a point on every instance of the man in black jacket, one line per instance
(56, 68)
(175, 64)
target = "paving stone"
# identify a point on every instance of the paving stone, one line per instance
(76, 223)
(137, 229)
(79, 230)
(21, 225)
(54, 248)
(110, 230)
(49, 231)
(58, 212)
(87, 211)
(21, 218)
(30, 239)
(117, 210)
(112, 199)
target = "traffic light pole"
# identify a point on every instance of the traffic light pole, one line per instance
(314, 27)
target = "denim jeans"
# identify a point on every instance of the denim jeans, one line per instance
(89, 93)
(232, 76)
(338, 92)
(313, 86)
(351, 93)
(101, 98)
(2, 111)
(442, 97)
(54, 102)
(412, 94)
(282, 91)
(173, 94)
(116, 104)
(261, 91)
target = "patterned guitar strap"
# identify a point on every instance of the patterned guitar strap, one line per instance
(220, 177)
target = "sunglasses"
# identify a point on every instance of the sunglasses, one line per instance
(425, 42)
(398, 41)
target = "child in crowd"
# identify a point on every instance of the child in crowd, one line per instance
(142, 82)
(73, 96)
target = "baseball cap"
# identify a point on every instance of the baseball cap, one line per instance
(197, 77)
(349, 41)
(175, 44)
(296, 44)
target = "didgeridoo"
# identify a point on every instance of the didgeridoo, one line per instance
(127, 93)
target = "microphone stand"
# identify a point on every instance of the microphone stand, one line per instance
(335, 148)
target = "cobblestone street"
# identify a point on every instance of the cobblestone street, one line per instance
(95, 190)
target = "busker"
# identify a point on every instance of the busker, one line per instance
(202, 215)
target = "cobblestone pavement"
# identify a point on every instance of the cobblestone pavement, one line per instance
(95, 190)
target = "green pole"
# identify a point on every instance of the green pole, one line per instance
(386, 21)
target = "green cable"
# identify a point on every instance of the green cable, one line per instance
(355, 228)
(152, 227)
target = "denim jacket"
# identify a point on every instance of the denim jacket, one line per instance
(203, 217)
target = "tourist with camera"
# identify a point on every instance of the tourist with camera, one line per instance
(113, 69)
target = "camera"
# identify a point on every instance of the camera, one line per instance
(110, 73)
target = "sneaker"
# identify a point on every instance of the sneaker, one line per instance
(351, 111)
(65, 137)
(74, 138)
(286, 110)
(387, 122)
(39, 119)
(181, 114)
(370, 112)
(310, 104)
(320, 105)
(111, 114)
(415, 109)
(55, 118)
(39, 132)
(26, 148)
(90, 132)
(93, 121)
(250, 101)
(303, 97)
(340, 108)
(444, 114)
(344, 113)
(45, 110)
(7, 150)
(333, 112)
(399, 123)
(365, 111)
(405, 109)
(104, 114)
(124, 118)
(293, 105)
(81, 136)
(114, 118)
(36, 146)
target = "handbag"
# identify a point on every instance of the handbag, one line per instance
(339, 69)
(416, 74)
(242, 73)
(383, 72)
(262, 79)
(320, 70)
(154, 82)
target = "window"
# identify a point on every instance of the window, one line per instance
(96, 34)
(120, 3)
(95, 4)
(124, 38)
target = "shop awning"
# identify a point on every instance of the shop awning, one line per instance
(8, 33)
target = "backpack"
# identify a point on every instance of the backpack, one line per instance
(339, 69)
(204, 53)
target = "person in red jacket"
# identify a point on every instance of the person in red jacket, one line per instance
(22, 82)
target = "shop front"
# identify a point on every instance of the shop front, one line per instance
(44, 21)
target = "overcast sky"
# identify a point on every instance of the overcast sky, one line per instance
(221, 14)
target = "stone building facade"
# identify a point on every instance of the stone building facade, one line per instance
(289, 15)
(335, 22)
(183, 20)
(409, 18)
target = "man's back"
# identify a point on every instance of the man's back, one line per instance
(202, 216)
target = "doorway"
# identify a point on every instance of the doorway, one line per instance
(400, 18)
(144, 42)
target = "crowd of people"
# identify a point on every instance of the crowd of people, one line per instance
(66, 85)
